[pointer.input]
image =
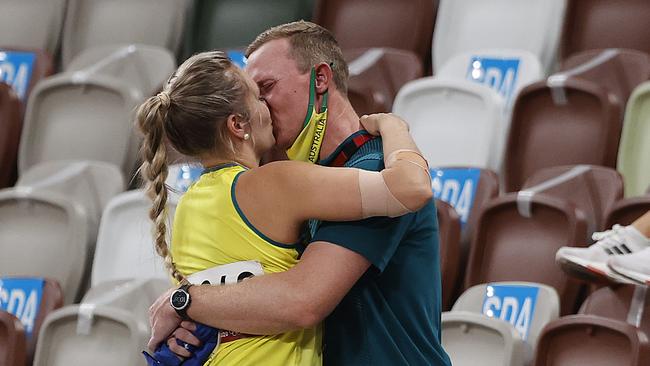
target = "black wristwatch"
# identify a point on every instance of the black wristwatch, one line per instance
(180, 300)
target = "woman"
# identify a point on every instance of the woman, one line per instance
(237, 211)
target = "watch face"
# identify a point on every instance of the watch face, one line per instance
(179, 299)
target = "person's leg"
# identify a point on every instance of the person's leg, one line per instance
(635, 266)
(643, 224)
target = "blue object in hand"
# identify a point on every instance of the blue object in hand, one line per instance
(164, 356)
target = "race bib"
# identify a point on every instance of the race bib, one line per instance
(227, 274)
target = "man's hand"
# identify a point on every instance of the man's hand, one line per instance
(163, 320)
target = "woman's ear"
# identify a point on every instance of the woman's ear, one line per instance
(237, 126)
(324, 76)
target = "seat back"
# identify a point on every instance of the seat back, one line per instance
(227, 24)
(12, 341)
(406, 25)
(634, 154)
(377, 74)
(564, 122)
(32, 24)
(43, 235)
(92, 23)
(592, 189)
(506, 71)
(514, 237)
(592, 340)
(527, 306)
(467, 25)
(125, 247)
(598, 24)
(10, 127)
(454, 122)
(627, 303)
(449, 229)
(99, 127)
(145, 67)
(626, 211)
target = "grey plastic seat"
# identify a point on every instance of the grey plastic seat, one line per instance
(109, 327)
(125, 248)
(91, 23)
(499, 322)
(73, 117)
(32, 24)
(44, 235)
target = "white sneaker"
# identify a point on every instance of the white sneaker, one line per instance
(634, 266)
(591, 263)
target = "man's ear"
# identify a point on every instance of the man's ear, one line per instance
(237, 126)
(324, 76)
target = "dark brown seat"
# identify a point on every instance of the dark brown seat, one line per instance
(510, 245)
(449, 229)
(626, 211)
(406, 24)
(572, 122)
(12, 341)
(616, 303)
(619, 70)
(10, 128)
(52, 299)
(592, 189)
(592, 340)
(597, 24)
(377, 74)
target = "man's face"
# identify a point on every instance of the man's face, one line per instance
(284, 88)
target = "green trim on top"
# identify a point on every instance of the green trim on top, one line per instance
(250, 225)
(312, 97)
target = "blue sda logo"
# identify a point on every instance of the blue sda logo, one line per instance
(514, 304)
(22, 298)
(456, 186)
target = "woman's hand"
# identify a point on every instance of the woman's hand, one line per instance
(377, 123)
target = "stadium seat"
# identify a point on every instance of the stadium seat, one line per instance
(91, 184)
(109, 327)
(43, 235)
(499, 322)
(125, 248)
(145, 67)
(594, 341)
(634, 153)
(454, 122)
(233, 24)
(469, 25)
(626, 211)
(449, 230)
(517, 240)
(99, 127)
(561, 122)
(623, 302)
(617, 70)
(12, 341)
(598, 24)
(506, 71)
(91, 23)
(10, 127)
(592, 189)
(377, 74)
(32, 24)
(406, 24)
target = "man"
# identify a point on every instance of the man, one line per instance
(377, 280)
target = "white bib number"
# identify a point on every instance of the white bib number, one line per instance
(227, 274)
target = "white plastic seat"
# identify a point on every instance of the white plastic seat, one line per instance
(506, 71)
(92, 23)
(499, 328)
(43, 235)
(454, 122)
(91, 184)
(74, 118)
(109, 327)
(34, 24)
(467, 25)
(125, 248)
(145, 67)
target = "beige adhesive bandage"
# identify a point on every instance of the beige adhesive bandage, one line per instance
(393, 157)
(376, 198)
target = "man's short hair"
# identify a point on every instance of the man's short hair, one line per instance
(311, 44)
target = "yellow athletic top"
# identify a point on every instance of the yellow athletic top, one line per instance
(210, 230)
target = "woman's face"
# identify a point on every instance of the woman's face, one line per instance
(260, 119)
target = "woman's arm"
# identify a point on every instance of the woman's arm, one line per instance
(303, 191)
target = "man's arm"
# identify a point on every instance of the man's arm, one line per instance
(275, 303)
